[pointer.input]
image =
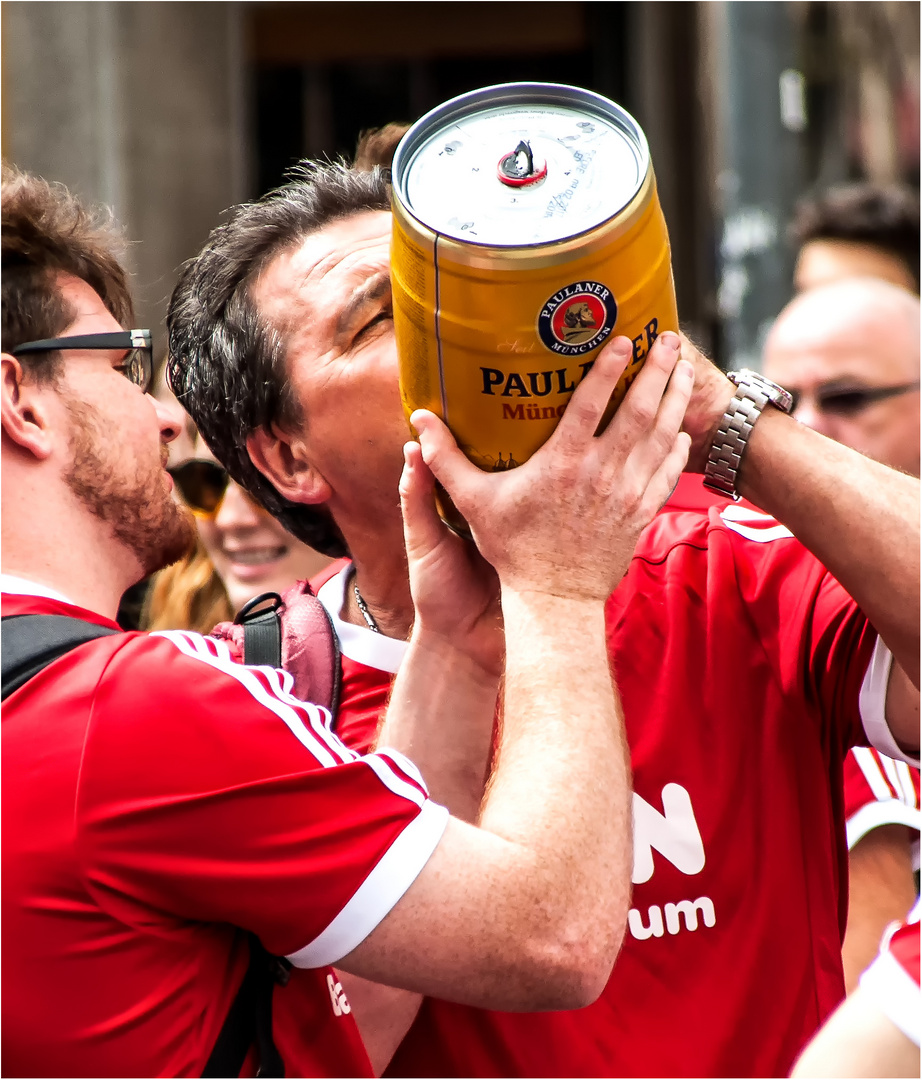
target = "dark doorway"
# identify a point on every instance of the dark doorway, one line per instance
(324, 72)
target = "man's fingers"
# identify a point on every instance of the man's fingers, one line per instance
(674, 465)
(638, 411)
(658, 448)
(590, 399)
(441, 454)
(672, 408)
(664, 480)
(422, 527)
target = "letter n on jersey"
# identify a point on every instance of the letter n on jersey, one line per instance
(674, 833)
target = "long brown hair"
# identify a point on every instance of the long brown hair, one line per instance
(187, 596)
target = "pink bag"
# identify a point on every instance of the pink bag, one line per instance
(292, 631)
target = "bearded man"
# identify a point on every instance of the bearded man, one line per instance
(751, 650)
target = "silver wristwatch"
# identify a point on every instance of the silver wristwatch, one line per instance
(753, 393)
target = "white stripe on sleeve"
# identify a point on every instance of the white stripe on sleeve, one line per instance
(889, 767)
(317, 739)
(379, 892)
(403, 763)
(872, 702)
(753, 525)
(905, 784)
(872, 815)
(908, 782)
(870, 767)
(316, 735)
(396, 783)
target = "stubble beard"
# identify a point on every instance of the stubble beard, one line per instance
(141, 512)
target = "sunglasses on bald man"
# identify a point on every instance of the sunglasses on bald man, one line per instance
(137, 366)
(849, 401)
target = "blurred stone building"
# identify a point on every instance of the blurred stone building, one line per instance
(173, 111)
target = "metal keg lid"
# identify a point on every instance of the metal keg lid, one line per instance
(520, 164)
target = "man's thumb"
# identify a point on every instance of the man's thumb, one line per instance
(440, 452)
(421, 525)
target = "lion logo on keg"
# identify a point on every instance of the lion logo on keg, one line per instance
(577, 318)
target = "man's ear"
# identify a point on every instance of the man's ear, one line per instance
(282, 459)
(22, 410)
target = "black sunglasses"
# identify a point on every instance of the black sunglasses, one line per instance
(137, 367)
(849, 402)
(202, 485)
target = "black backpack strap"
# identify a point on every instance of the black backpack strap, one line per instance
(273, 969)
(249, 1019)
(31, 642)
(262, 630)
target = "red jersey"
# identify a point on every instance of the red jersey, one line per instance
(745, 673)
(159, 801)
(880, 791)
(892, 980)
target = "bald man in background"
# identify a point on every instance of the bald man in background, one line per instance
(849, 353)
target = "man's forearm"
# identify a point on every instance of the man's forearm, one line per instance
(528, 910)
(441, 716)
(860, 519)
(563, 758)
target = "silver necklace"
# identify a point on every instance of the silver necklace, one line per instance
(363, 607)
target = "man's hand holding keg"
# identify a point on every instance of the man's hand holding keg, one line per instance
(566, 522)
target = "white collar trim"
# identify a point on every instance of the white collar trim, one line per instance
(17, 586)
(359, 643)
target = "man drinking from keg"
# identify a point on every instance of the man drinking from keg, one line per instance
(752, 649)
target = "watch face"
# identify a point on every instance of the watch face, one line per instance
(784, 400)
(777, 395)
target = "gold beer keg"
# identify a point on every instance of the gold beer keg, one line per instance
(527, 230)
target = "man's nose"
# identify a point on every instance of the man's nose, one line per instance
(171, 417)
(237, 510)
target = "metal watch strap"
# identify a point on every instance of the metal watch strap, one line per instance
(753, 393)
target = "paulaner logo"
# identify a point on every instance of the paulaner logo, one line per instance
(577, 318)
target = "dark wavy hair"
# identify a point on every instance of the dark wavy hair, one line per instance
(883, 215)
(47, 231)
(227, 365)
